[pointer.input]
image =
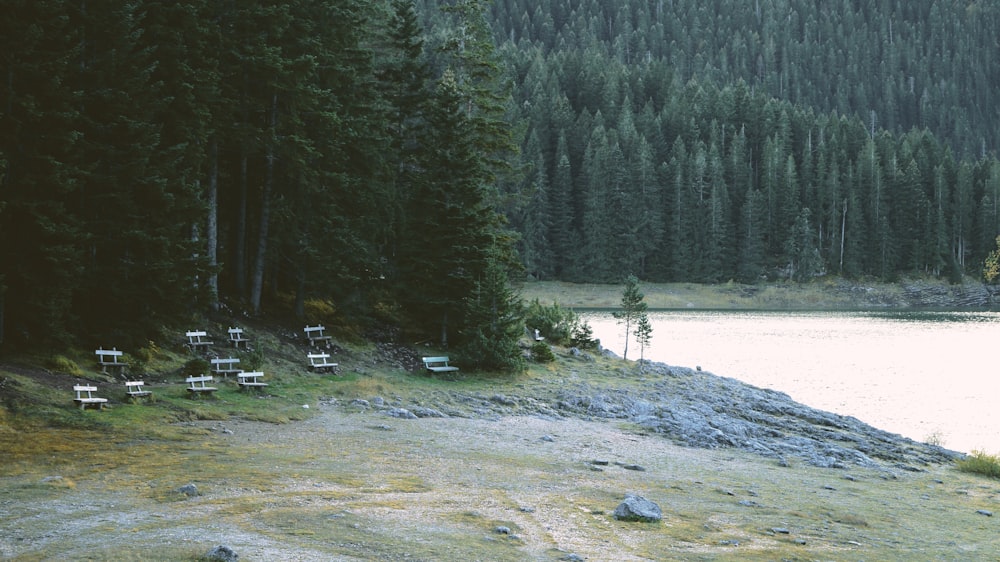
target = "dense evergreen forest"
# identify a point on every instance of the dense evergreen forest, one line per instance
(708, 140)
(406, 158)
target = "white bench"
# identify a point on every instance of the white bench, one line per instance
(438, 365)
(195, 340)
(321, 362)
(110, 358)
(236, 337)
(135, 389)
(197, 386)
(225, 366)
(85, 397)
(250, 379)
(315, 335)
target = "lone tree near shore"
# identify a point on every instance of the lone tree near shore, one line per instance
(633, 312)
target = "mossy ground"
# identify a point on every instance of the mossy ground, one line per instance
(338, 481)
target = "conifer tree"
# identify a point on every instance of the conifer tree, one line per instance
(633, 310)
(494, 322)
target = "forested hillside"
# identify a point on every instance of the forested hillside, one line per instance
(706, 140)
(403, 160)
(158, 158)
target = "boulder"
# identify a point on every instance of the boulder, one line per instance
(638, 508)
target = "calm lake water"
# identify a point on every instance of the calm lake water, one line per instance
(919, 374)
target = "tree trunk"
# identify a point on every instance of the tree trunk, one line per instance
(240, 243)
(213, 223)
(444, 329)
(257, 287)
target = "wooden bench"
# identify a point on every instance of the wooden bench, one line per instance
(197, 386)
(225, 366)
(315, 335)
(438, 365)
(135, 389)
(110, 358)
(250, 379)
(236, 338)
(195, 341)
(321, 362)
(85, 397)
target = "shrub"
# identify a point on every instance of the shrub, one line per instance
(542, 353)
(254, 360)
(979, 462)
(63, 364)
(195, 367)
(583, 336)
(554, 322)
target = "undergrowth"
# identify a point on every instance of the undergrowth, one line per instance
(979, 462)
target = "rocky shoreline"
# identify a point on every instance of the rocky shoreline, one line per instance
(691, 408)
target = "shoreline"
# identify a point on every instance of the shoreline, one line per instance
(823, 294)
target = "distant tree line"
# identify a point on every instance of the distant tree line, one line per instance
(708, 140)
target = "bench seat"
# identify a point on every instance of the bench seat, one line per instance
(438, 365)
(236, 338)
(315, 336)
(135, 389)
(225, 366)
(196, 340)
(321, 362)
(85, 397)
(197, 385)
(110, 358)
(250, 379)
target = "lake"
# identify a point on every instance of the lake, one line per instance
(925, 375)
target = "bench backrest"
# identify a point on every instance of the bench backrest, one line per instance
(202, 379)
(319, 358)
(236, 333)
(87, 389)
(227, 360)
(114, 354)
(309, 330)
(134, 385)
(250, 375)
(195, 336)
(428, 361)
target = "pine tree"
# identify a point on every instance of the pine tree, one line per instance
(493, 323)
(633, 310)
(643, 336)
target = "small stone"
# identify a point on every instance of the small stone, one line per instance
(502, 530)
(189, 490)
(600, 462)
(548, 438)
(985, 512)
(780, 530)
(634, 467)
(222, 553)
